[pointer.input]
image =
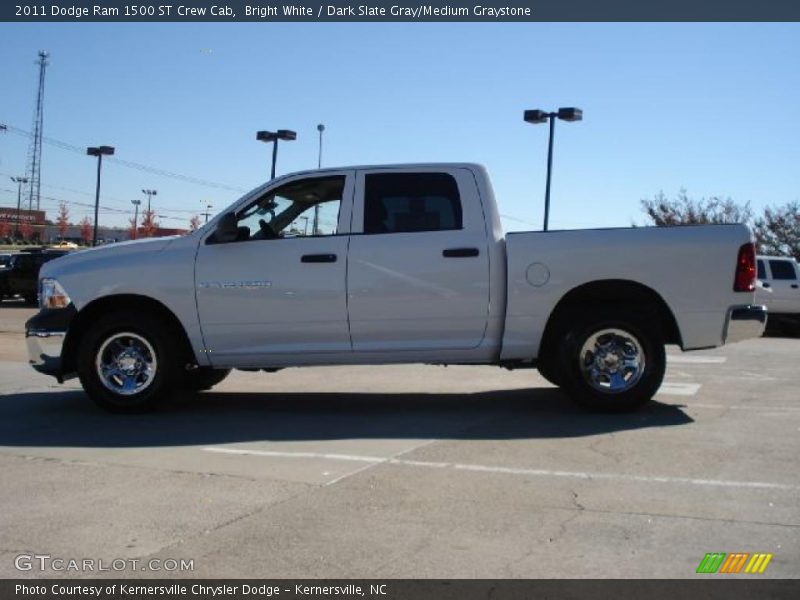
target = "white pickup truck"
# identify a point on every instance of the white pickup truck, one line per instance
(390, 264)
(778, 289)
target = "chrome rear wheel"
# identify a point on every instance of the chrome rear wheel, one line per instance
(612, 360)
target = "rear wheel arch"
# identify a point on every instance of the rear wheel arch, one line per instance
(117, 303)
(608, 293)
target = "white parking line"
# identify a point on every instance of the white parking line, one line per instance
(376, 460)
(689, 359)
(763, 408)
(678, 389)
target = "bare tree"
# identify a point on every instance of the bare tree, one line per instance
(62, 222)
(86, 230)
(778, 230)
(26, 230)
(149, 226)
(683, 210)
(194, 223)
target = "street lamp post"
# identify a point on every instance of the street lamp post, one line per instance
(315, 226)
(20, 181)
(208, 212)
(149, 194)
(136, 204)
(540, 116)
(99, 152)
(286, 135)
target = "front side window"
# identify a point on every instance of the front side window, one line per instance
(410, 202)
(782, 269)
(300, 208)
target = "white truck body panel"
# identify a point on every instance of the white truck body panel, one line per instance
(689, 267)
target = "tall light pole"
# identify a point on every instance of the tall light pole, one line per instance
(208, 212)
(320, 128)
(20, 181)
(149, 194)
(99, 152)
(540, 116)
(315, 226)
(286, 135)
(136, 204)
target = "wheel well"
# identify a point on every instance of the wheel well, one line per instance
(133, 302)
(610, 292)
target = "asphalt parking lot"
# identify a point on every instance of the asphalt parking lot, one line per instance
(407, 471)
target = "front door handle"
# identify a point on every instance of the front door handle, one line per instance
(318, 258)
(460, 252)
(794, 286)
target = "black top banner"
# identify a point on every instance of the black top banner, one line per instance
(506, 11)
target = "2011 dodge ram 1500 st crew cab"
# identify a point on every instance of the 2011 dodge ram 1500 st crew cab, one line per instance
(390, 264)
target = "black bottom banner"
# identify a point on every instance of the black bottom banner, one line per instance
(391, 589)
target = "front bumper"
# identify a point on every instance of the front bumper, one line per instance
(745, 322)
(45, 333)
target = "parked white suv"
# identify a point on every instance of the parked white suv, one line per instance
(779, 291)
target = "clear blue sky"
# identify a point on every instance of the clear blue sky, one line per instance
(712, 108)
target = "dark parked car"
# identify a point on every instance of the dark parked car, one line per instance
(21, 276)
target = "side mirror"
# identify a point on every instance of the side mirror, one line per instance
(226, 230)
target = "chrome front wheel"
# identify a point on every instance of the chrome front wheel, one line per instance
(129, 361)
(126, 363)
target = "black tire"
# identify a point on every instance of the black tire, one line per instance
(548, 368)
(203, 379)
(623, 332)
(133, 332)
(31, 299)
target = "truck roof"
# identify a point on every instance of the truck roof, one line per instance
(431, 165)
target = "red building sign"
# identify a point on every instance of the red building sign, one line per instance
(9, 213)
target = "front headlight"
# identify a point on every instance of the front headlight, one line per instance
(52, 295)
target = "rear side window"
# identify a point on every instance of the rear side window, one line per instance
(782, 269)
(762, 271)
(410, 202)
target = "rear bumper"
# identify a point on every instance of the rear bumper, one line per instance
(745, 322)
(45, 333)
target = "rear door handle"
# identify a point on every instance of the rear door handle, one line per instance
(460, 252)
(318, 258)
(794, 286)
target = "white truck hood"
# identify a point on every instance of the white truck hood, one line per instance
(101, 255)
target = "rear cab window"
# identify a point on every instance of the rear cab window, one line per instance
(411, 202)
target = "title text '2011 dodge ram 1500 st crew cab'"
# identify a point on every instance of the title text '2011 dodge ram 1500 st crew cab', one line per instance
(390, 264)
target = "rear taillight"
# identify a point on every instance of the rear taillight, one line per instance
(745, 280)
